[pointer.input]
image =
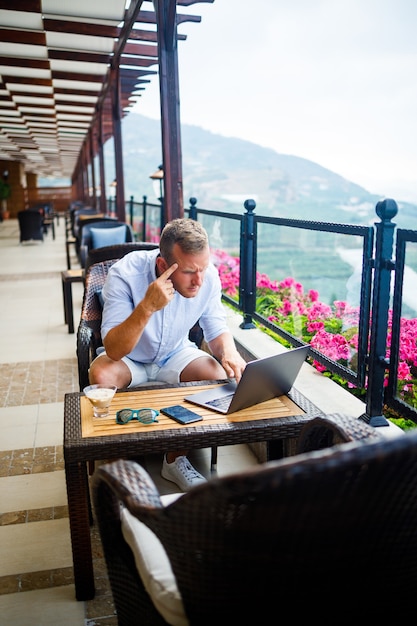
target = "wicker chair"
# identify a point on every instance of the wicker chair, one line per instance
(79, 213)
(30, 225)
(89, 330)
(98, 263)
(85, 236)
(116, 251)
(328, 535)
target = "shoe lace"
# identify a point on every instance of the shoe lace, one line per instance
(187, 469)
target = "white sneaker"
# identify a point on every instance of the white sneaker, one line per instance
(182, 473)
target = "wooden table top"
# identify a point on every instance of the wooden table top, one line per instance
(157, 398)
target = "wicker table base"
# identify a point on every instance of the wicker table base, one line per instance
(88, 439)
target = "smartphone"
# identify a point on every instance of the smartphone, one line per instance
(181, 415)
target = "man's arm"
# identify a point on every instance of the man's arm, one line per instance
(224, 349)
(121, 339)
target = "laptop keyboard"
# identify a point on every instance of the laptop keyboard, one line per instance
(221, 403)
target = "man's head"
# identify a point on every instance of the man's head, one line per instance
(190, 236)
(185, 242)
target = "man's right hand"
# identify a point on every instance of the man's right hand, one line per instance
(161, 291)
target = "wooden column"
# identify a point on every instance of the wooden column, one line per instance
(166, 17)
(118, 147)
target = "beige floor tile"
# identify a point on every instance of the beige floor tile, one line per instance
(15, 436)
(233, 459)
(30, 548)
(32, 491)
(49, 434)
(51, 413)
(35, 309)
(18, 416)
(47, 607)
(50, 424)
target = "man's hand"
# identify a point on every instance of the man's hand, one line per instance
(224, 349)
(161, 291)
(121, 339)
(233, 365)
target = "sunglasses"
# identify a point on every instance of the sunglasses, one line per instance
(145, 416)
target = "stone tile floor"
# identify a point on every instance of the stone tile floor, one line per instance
(38, 366)
(37, 382)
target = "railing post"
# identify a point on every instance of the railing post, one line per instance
(193, 209)
(162, 218)
(383, 266)
(131, 210)
(247, 286)
(144, 218)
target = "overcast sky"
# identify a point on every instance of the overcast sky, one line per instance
(333, 81)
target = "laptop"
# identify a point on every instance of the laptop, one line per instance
(261, 380)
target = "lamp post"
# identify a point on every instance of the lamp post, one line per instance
(158, 177)
(113, 190)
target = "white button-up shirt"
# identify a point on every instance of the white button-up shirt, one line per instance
(167, 330)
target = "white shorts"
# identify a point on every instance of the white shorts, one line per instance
(168, 373)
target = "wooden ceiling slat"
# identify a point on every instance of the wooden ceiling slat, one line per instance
(87, 57)
(138, 34)
(81, 28)
(137, 61)
(28, 6)
(78, 76)
(31, 37)
(38, 108)
(132, 75)
(141, 50)
(38, 64)
(77, 91)
(26, 80)
(148, 17)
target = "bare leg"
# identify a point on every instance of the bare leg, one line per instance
(203, 368)
(105, 370)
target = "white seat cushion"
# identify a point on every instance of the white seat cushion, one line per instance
(154, 567)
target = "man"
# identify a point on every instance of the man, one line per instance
(151, 300)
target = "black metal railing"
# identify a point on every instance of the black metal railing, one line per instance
(301, 249)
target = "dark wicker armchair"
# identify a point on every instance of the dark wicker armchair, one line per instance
(327, 535)
(30, 225)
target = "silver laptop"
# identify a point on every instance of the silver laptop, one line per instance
(261, 380)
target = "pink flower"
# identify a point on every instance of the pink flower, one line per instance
(332, 330)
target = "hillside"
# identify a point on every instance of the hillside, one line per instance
(221, 172)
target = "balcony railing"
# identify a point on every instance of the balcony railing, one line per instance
(347, 267)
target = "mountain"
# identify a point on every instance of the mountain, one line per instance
(221, 172)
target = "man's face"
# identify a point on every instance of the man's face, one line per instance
(189, 276)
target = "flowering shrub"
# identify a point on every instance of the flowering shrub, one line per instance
(152, 233)
(331, 330)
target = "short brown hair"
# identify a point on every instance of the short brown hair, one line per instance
(187, 233)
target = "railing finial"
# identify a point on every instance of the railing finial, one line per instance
(386, 209)
(250, 205)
